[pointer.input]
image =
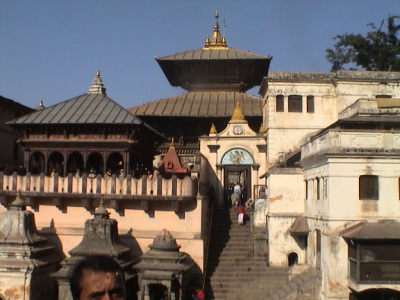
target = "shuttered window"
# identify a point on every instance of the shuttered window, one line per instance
(310, 104)
(368, 187)
(295, 103)
(280, 106)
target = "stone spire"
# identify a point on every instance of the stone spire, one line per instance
(237, 113)
(27, 259)
(217, 41)
(165, 263)
(97, 86)
(100, 237)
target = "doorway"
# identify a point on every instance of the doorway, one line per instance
(237, 174)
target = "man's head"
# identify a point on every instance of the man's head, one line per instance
(97, 278)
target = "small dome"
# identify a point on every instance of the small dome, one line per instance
(165, 241)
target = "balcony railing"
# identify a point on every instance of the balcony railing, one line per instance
(375, 272)
(144, 190)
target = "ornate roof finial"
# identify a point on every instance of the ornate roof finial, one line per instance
(101, 210)
(213, 130)
(18, 203)
(216, 41)
(237, 113)
(97, 86)
(40, 105)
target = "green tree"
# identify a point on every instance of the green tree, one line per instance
(378, 50)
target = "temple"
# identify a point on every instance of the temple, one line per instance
(313, 162)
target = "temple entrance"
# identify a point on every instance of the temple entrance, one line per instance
(158, 292)
(237, 175)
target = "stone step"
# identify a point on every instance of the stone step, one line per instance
(233, 272)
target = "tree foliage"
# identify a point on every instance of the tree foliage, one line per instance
(377, 50)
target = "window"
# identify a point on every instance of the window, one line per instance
(310, 104)
(306, 182)
(280, 106)
(295, 103)
(368, 187)
(318, 189)
(374, 262)
(383, 96)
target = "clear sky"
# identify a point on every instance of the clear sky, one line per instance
(50, 50)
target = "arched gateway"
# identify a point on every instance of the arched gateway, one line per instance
(235, 156)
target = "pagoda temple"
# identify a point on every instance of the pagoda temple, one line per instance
(215, 77)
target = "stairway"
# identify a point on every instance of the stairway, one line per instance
(233, 272)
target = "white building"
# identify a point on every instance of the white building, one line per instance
(336, 207)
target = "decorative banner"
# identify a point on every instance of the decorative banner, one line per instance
(237, 156)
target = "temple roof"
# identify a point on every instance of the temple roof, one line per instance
(84, 109)
(91, 108)
(11, 109)
(220, 54)
(201, 104)
(215, 64)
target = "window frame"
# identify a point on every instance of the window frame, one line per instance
(279, 103)
(368, 187)
(310, 104)
(295, 103)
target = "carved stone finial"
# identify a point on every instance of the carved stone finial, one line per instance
(165, 241)
(101, 210)
(18, 203)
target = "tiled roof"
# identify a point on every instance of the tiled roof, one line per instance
(219, 54)
(373, 231)
(201, 104)
(84, 109)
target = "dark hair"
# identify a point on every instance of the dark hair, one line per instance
(98, 263)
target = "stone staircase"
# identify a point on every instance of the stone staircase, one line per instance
(233, 271)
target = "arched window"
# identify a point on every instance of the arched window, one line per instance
(56, 163)
(95, 161)
(293, 259)
(36, 163)
(75, 163)
(115, 162)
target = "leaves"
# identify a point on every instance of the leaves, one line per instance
(378, 50)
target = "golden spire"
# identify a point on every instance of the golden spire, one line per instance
(237, 113)
(213, 130)
(217, 41)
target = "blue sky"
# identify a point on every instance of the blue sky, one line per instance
(50, 50)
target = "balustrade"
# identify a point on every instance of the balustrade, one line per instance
(158, 186)
(64, 191)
